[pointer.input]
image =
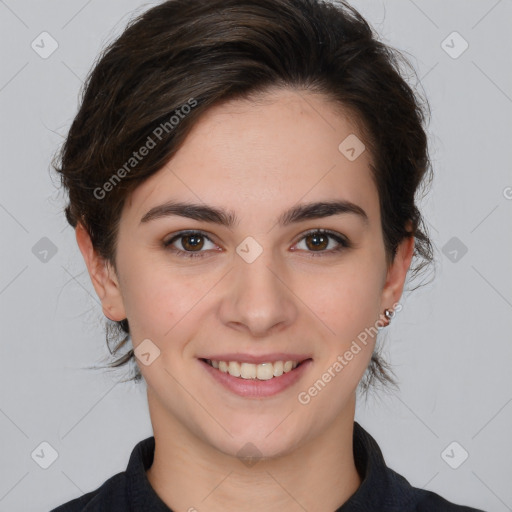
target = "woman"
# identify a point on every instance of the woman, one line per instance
(242, 179)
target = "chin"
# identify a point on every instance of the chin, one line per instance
(249, 449)
(264, 439)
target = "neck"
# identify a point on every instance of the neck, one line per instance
(188, 474)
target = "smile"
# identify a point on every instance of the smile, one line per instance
(262, 371)
(259, 379)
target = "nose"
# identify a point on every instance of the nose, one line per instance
(259, 299)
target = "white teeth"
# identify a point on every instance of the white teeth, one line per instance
(234, 369)
(247, 371)
(263, 371)
(278, 368)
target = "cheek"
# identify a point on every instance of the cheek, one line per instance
(152, 299)
(347, 300)
(161, 303)
(348, 304)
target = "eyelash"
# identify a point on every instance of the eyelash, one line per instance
(343, 243)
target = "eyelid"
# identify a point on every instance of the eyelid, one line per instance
(342, 239)
(343, 243)
(186, 232)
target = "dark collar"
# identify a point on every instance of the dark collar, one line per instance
(141, 496)
(381, 488)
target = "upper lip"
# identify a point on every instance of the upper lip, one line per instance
(258, 359)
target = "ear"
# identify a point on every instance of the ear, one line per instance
(397, 273)
(102, 275)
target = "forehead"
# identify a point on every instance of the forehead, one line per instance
(262, 154)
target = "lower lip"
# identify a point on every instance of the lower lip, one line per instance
(254, 388)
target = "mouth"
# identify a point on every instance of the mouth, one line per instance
(251, 371)
(261, 378)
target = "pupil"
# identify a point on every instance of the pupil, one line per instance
(319, 240)
(192, 241)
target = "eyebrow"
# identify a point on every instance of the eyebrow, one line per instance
(228, 218)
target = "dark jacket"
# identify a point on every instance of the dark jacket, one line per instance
(381, 490)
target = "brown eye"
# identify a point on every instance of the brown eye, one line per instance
(319, 241)
(192, 242)
(188, 244)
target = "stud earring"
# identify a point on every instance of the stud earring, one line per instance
(389, 314)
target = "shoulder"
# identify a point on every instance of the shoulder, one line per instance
(111, 495)
(122, 490)
(422, 500)
(432, 502)
(384, 489)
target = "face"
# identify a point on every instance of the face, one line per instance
(263, 285)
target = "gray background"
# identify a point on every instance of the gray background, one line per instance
(450, 345)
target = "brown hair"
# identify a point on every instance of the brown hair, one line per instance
(197, 53)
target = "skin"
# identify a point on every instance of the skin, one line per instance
(256, 158)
